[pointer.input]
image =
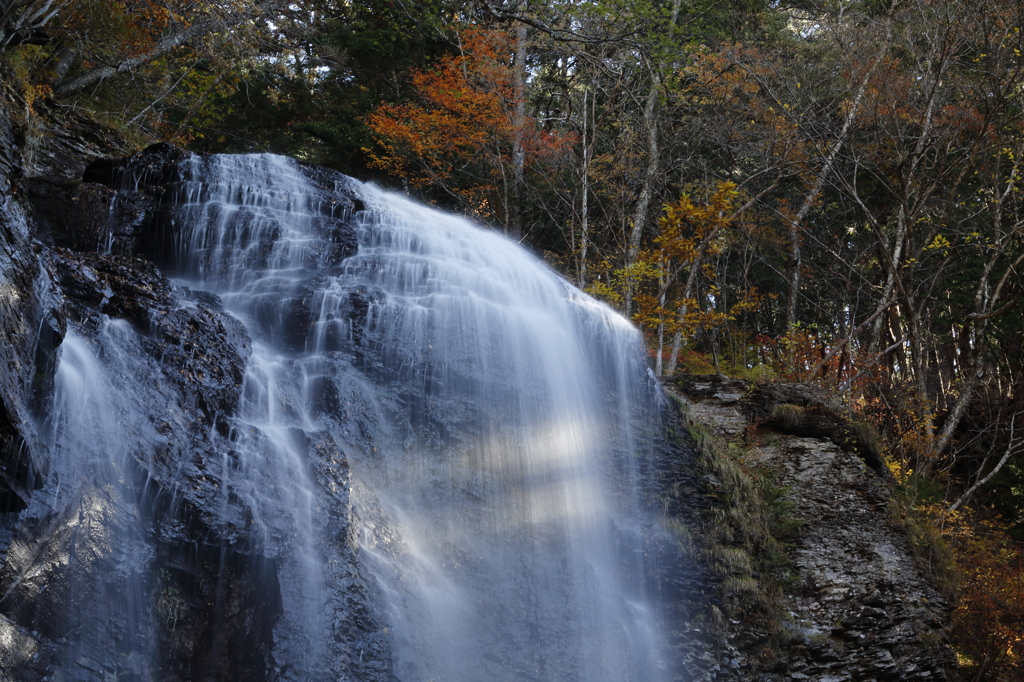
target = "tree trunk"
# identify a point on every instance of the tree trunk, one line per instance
(643, 201)
(515, 209)
(67, 88)
(796, 224)
(688, 294)
(995, 470)
(584, 201)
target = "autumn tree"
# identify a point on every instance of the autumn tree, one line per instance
(462, 132)
(313, 103)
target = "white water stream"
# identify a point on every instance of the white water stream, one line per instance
(494, 460)
(498, 516)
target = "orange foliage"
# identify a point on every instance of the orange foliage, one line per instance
(136, 24)
(734, 79)
(459, 134)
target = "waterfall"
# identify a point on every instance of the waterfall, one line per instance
(496, 424)
(499, 514)
(93, 427)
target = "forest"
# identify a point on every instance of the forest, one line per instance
(823, 191)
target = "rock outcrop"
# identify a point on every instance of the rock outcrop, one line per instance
(28, 331)
(860, 608)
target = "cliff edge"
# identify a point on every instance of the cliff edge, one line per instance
(836, 593)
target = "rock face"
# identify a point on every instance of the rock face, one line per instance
(78, 267)
(56, 143)
(59, 552)
(28, 333)
(131, 550)
(859, 606)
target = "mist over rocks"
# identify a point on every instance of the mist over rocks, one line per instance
(142, 540)
(83, 254)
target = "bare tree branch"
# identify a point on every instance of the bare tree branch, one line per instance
(197, 30)
(16, 26)
(980, 482)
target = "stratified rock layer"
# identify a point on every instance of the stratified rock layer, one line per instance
(861, 609)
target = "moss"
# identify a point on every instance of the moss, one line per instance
(741, 537)
(734, 560)
(684, 537)
(932, 553)
(866, 435)
(758, 374)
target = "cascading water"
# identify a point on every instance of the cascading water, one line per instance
(499, 514)
(249, 236)
(495, 420)
(93, 427)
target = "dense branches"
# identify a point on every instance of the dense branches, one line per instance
(134, 62)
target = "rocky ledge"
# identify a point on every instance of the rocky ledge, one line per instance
(856, 606)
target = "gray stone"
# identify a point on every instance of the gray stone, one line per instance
(855, 580)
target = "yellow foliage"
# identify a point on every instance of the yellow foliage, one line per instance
(988, 615)
(690, 231)
(24, 61)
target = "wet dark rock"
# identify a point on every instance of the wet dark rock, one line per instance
(199, 348)
(363, 649)
(875, 598)
(150, 184)
(132, 289)
(147, 184)
(29, 336)
(56, 595)
(337, 204)
(191, 358)
(677, 576)
(21, 312)
(116, 286)
(89, 216)
(150, 170)
(59, 142)
(233, 641)
(72, 258)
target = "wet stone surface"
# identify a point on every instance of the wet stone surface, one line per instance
(70, 259)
